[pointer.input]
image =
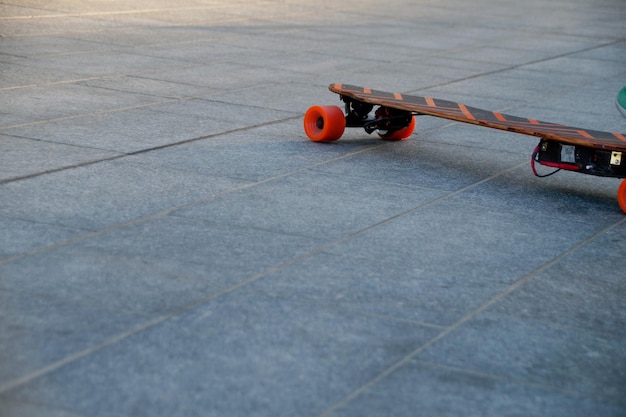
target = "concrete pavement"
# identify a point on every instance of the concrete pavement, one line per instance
(171, 243)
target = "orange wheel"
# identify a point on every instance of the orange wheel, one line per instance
(324, 123)
(401, 134)
(621, 196)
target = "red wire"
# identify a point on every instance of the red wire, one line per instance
(558, 165)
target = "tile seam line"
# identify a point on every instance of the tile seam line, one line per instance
(412, 91)
(524, 64)
(162, 99)
(348, 237)
(98, 113)
(97, 77)
(493, 300)
(168, 211)
(163, 318)
(499, 378)
(155, 148)
(142, 151)
(109, 13)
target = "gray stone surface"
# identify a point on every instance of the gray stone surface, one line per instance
(100, 195)
(171, 243)
(42, 329)
(252, 361)
(24, 157)
(21, 236)
(431, 389)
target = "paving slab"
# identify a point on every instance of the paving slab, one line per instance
(143, 84)
(60, 101)
(253, 155)
(138, 270)
(22, 236)
(16, 75)
(23, 157)
(298, 348)
(316, 205)
(577, 362)
(137, 128)
(99, 195)
(24, 409)
(423, 164)
(171, 243)
(571, 294)
(31, 47)
(46, 329)
(50, 23)
(449, 391)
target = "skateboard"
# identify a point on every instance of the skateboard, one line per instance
(560, 147)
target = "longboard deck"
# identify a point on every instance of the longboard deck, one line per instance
(495, 120)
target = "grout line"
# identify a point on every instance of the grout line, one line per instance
(183, 65)
(537, 61)
(96, 113)
(472, 314)
(69, 359)
(146, 150)
(170, 210)
(498, 378)
(400, 319)
(59, 364)
(109, 13)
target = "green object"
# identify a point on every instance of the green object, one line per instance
(620, 102)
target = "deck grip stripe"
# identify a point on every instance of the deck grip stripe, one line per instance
(499, 116)
(466, 112)
(398, 96)
(620, 136)
(430, 102)
(584, 134)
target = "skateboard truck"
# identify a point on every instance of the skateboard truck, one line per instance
(385, 119)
